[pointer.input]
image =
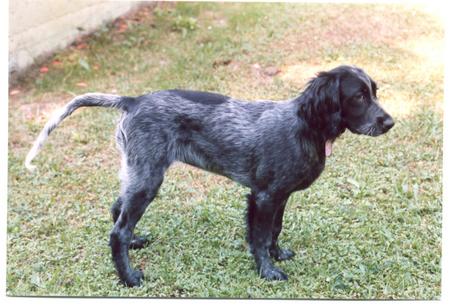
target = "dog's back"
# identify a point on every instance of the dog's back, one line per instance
(206, 130)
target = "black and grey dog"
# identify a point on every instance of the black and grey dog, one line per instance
(274, 148)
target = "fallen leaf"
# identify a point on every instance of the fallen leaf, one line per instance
(14, 92)
(81, 45)
(123, 27)
(82, 84)
(225, 62)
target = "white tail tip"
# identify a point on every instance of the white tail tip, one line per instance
(30, 167)
(28, 160)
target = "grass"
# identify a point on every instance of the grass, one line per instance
(369, 228)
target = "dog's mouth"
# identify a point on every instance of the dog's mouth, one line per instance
(367, 129)
(375, 128)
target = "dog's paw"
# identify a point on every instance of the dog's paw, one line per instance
(272, 273)
(280, 254)
(134, 279)
(138, 242)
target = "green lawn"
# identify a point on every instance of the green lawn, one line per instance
(369, 228)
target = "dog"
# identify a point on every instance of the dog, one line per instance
(273, 148)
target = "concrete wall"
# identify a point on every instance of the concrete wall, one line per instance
(39, 27)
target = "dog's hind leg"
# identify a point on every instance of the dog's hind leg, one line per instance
(137, 242)
(275, 250)
(262, 208)
(141, 188)
(116, 208)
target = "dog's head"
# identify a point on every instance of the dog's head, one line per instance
(345, 97)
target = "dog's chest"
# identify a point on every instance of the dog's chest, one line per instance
(303, 166)
(307, 173)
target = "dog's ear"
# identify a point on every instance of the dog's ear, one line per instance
(320, 105)
(326, 93)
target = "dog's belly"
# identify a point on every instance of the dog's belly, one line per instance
(221, 162)
(239, 177)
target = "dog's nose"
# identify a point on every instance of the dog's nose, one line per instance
(386, 122)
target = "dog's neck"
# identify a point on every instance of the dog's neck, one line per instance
(327, 126)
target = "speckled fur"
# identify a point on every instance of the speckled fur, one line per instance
(273, 148)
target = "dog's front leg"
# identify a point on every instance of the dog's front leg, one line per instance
(275, 250)
(262, 208)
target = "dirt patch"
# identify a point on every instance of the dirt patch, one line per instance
(339, 25)
(299, 74)
(323, 37)
(411, 56)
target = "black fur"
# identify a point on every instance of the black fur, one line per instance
(200, 97)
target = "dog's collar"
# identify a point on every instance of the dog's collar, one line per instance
(328, 147)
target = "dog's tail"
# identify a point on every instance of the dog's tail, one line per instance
(86, 100)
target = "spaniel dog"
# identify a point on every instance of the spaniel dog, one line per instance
(273, 148)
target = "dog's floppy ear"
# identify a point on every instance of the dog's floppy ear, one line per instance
(323, 94)
(320, 105)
